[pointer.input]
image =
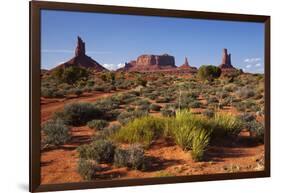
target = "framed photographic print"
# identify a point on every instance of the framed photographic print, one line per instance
(123, 96)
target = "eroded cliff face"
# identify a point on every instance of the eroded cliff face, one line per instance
(161, 61)
(151, 63)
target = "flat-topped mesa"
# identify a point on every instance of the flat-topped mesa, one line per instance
(226, 60)
(80, 47)
(81, 59)
(155, 61)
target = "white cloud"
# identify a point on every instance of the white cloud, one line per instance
(258, 64)
(113, 66)
(249, 66)
(251, 60)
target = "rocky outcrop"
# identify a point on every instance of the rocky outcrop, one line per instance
(81, 59)
(150, 63)
(226, 60)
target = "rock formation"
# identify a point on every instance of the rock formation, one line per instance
(81, 59)
(226, 60)
(150, 63)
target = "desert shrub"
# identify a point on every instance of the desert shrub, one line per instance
(211, 100)
(47, 92)
(100, 87)
(155, 107)
(209, 72)
(87, 169)
(79, 113)
(108, 131)
(194, 104)
(162, 100)
(126, 117)
(168, 112)
(182, 128)
(245, 92)
(201, 139)
(143, 108)
(247, 117)
(141, 102)
(102, 151)
(256, 129)
(132, 157)
(97, 124)
(141, 130)
(225, 124)
(209, 113)
(78, 91)
(107, 104)
(70, 75)
(56, 132)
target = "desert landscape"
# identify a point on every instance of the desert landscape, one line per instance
(149, 118)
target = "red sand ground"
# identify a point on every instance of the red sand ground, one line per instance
(60, 165)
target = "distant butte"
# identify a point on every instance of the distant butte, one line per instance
(81, 59)
(226, 61)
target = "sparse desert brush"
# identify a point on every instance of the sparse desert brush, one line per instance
(141, 130)
(99, 87)
(56, 132)
(132, 157)
(225, 124)
(200, 142)
(208, 72)
(194, 104)
(126, 117)
(108, 131)
(107, 104)
(245, 92)
(97, 124)
(256, 129)
(79, 113)
(209, 113)
(182, 127)
(87, 169)
(162, 100)
(155, 107)
(168, 111)
(101, 150)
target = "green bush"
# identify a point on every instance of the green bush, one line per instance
(79, 113)
(132, 157)
(155, 107)
(87, 169)
(70, 74)
(56, 132)
(141, 130)
(209, 72)
(102, 151)
(209, 113)
(126, 117)
(225, 124)
(201, 139)
(245, 92)
(182, 128)
(108, 131)
(97, 124)
(256, 129)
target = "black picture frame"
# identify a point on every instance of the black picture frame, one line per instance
(37, 6)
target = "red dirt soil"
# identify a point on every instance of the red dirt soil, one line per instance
(167, 159)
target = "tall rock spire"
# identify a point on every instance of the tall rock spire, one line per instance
(80, 47)
(226, 60)
(186, 61)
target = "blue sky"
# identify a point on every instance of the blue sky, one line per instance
(113, 39)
